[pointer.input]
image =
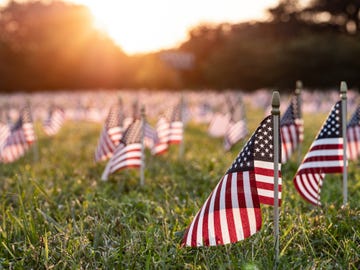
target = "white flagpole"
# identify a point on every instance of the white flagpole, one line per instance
(343, 90)
(142, 166)
(275, 112)
(299, 86)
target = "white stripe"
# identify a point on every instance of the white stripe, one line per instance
(327, 141)
(120, 150)
(265, 165)
(321, 164)
(128, 155)
(266, 179)
(267, 193)
(309, 183)
(303, 190)
(222, 213)
(236, 208)
(329, 152)
(249, 203)
(212, 239)
(126, 163)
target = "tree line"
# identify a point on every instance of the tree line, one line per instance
(53, 45)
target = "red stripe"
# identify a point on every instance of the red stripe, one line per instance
(217, 224)
(326, 146)
(323, 158)
(229, 210)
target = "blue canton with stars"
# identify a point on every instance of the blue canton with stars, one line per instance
(355, 119)
(259, 147)
(332, 127)
(292, 112)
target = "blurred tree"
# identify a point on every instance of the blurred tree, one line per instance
(345, 13)
(152, 72)
(55, 45)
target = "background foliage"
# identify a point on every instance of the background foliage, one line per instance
(53, 45)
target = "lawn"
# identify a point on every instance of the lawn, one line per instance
(56, 213)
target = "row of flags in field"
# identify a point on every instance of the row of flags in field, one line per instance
(124, 145)
(232, 211)
(16, 138)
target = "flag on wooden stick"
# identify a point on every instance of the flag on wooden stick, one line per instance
(110, 135)
(291, 129)
(169, 130)
(21, 136)
(54, 121)
(353, 135)
(128, 153)
(237, 127)
(232, 211)
(324, 156)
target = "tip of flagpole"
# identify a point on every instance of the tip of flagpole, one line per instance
(343, 87)
(299, 86)
(275, 103)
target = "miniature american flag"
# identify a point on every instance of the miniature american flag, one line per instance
(110, 135)
(232, 211)
(54, 121)
(128, 153)
(353, 136)
(324, 156)
(21, 136)
(291, 129)
(169, 130)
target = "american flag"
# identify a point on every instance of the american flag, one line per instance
(237, 128)
(324, 156)
(169, 130)
(21, 136)
(4, 133)
(110, 135)
(176, 125)
(128, 153)
(353, 135)
(291, 129)
(218, 125)
(232, 211)
(150, 136)
(54, 121)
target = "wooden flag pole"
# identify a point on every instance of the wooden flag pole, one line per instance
(275, 112)
(299, 86)
(142, 166)
(343, 90)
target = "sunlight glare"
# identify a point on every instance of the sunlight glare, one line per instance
(144, 26)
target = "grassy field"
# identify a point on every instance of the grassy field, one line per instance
(55, 213)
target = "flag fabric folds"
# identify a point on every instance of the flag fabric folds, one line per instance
(128, 153)
(232, 211)
(237, 127)
(353, 136)
(325, 155)
(110, 135)
(54, 121)
(21, 136)
(169, 130)
(291, 129)
(4, 133)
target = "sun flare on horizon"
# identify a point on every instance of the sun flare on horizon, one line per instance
(139, 26)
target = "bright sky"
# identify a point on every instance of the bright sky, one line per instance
(148, 25)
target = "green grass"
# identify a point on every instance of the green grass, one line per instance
(56, 213)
